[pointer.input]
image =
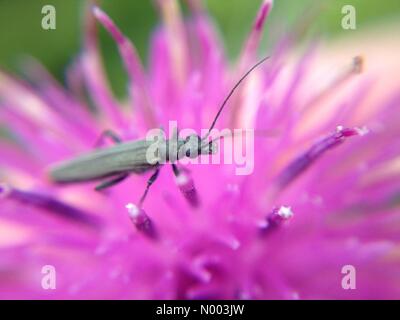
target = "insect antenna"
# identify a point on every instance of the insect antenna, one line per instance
(272, 133)
(231, 93)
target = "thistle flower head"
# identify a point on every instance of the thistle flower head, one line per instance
(323, 193)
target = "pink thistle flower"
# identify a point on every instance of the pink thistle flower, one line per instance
(323, 193)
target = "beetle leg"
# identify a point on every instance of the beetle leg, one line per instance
(151, 180)
(108, 134)
(178, 170)
(186, 185)
(112, 182)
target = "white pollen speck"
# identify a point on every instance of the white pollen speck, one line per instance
(182, 179)
(235, 244)
(133, 210)
(231, 242)
(285, 212)
(263, 224)
(96, 11)
(339, 128)
(362, 131)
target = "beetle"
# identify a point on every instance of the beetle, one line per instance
(114, 164)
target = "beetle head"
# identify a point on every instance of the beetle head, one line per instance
(194, 146)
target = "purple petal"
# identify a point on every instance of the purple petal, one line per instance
(49, 204)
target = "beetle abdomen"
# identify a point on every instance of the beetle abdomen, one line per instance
(122, 158)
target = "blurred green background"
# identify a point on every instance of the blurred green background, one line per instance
(21, 32)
